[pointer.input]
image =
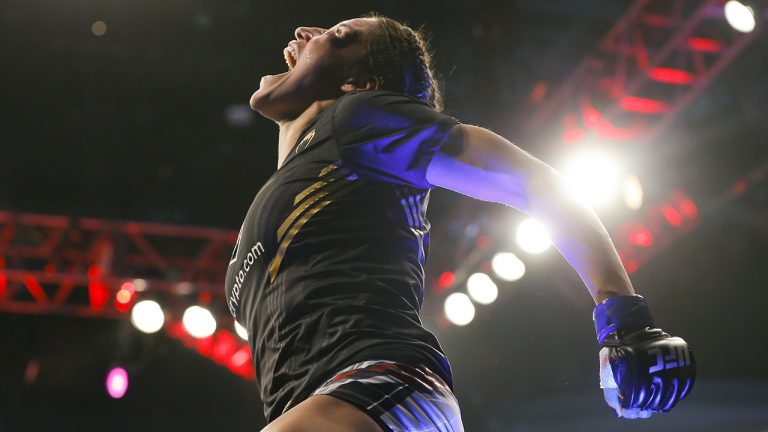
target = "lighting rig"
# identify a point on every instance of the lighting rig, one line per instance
(651, 65)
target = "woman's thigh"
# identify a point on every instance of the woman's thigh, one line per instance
(323, 413)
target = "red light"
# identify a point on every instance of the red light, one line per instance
(205, 346)
(176, 329)
(49, 268)
(670, 76)
(446, 280)
(574, 135)
(704, 44)
(592, 118)
(603, 127)
(248, 374)
(204, 298)
(3, 285)
(643, 105)
(122, 307)
(686, 206)
(672, 216)
(631, 266)
(224, 347)
(639, 235)
(94, 271)
(98, 295)
(241, 359)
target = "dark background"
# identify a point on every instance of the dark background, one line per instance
(133, 126)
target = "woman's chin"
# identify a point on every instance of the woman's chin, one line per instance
(256, 100)
(261, 96)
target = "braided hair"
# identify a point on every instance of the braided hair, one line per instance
(400, 58)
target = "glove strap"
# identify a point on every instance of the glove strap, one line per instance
(621, 313)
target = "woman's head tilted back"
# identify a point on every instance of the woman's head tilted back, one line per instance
(366, 53)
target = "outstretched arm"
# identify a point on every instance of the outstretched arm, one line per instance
(488, 167)
(642, 369)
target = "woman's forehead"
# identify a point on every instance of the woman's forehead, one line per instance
(358, 23)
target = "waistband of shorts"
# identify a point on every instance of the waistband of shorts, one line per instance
(370, 363)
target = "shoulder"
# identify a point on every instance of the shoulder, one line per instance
(385, 109)
(381, 101)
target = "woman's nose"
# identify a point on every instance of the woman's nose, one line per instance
(307, 33)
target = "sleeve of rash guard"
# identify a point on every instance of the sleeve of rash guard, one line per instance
(388, 136)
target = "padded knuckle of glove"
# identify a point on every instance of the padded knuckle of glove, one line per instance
(653, 370)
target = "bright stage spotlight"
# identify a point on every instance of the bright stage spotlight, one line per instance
(199, 322)
(633, 192)
(508, 266)
(241, 331)
(147, 316)
(117, 382)
(593, 176)
(740, 16)
(532, 236)
(459, 309)
(482, 289)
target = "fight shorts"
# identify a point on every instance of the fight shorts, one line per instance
(399, 397)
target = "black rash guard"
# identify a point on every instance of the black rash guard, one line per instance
(328, 269)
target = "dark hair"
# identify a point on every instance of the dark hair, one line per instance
(399, 56)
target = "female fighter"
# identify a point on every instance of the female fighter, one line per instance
(327, 274)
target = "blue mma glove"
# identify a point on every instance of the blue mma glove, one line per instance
(642, 369)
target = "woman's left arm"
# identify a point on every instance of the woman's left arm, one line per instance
(490, 168)
(634, 375)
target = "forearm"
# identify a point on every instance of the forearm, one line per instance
(577, 233)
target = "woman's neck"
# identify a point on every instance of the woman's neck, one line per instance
(290, 129)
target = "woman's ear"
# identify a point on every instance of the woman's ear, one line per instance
(366, 83)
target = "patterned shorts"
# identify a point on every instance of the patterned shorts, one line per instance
(399, 397)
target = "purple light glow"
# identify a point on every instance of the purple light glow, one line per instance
(117, 382)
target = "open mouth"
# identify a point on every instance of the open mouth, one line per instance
(291, 54)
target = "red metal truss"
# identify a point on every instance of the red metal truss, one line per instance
(649, 67)
(63, 265)
(67, 265)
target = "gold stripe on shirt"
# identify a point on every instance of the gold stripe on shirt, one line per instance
(317, 185)
(334, 186)
(274, 266)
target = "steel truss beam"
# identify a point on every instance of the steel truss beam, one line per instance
(62, 265)
(649, 67)
(56, 263)
(655, 60)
